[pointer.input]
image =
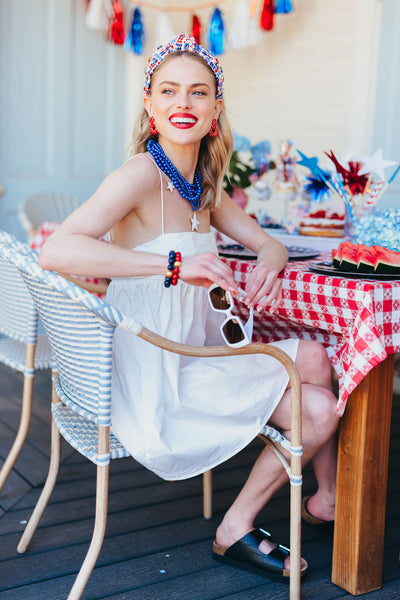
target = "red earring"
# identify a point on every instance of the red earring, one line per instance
(214, 128)
(153, 128)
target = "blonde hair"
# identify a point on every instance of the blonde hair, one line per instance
(214, 154)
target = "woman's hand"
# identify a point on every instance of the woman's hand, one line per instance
(263, 289)
(206, 269)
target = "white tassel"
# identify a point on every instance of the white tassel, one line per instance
(98, 14)
(164, 31)
(254, 31)
(244, 30)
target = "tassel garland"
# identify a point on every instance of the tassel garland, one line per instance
(267, 16)
(117, 29)
(196, 29)
(164, 31)
(238, 31)
(97, 15)
(216, 33)
(244, 31)
(283, 6)
(134, 41)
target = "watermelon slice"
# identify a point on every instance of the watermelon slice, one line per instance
(348, 260)
(386, 261)
(365, 259)
(337, 255)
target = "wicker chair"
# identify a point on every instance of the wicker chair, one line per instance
(53, 207)
(21, 348)
(80, 328)
(47, 206)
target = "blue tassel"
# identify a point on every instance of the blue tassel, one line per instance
(216, 33)
(135, 39)
(283, 6)
(317, 189)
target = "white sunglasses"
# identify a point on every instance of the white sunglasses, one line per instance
(235, 333)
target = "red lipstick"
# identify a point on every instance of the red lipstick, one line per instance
(183, 120)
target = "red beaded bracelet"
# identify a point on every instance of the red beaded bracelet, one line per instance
(172, 274)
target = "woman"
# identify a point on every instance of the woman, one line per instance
(181, 416)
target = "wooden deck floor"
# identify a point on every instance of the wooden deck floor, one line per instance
(157, 546)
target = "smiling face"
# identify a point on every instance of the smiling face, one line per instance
(183, 100)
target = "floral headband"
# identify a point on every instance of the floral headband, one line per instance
(183, 43)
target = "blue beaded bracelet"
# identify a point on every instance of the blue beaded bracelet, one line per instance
(172, 274)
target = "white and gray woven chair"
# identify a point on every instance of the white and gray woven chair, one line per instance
(80, 328)
(46, 206)
(53, 207)
(21, 348)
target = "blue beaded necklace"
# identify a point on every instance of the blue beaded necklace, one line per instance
(190, 191)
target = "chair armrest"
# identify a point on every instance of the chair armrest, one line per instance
(254, 348)
(94, 288)
(186, 350)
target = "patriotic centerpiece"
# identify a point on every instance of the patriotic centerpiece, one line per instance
(359, 181)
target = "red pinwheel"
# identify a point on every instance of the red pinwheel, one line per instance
(351, 179)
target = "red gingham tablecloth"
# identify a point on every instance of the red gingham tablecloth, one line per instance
(358, 321)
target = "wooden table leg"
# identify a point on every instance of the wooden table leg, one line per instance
(362, 482)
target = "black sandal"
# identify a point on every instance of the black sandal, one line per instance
(244, 554)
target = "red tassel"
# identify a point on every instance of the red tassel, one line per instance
(267, 15)
(117, 29)
(196, 29)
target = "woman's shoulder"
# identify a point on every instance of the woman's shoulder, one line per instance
(138, 172)
(139, 163)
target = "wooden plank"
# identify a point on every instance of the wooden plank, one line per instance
(11, 383)
(32, 464)
(128, 562)
(149, 517)
(149, 545)
(163, 494)
(362, 482)
(14, 488)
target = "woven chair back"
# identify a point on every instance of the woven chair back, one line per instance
(18, 315)
(80, 329)
(38, 208)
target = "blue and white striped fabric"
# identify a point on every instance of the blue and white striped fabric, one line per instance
(80, 329)
(19, 322)
(19, 318)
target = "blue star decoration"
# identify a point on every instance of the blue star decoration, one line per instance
(312, 164)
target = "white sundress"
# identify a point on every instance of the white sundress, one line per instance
(180, 416)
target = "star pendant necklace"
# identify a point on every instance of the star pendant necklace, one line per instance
(194, 220)
(190, 191)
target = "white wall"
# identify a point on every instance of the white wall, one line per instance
(62, 100)
(311, 79)
(387, 123)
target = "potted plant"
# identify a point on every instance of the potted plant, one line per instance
(243, 172)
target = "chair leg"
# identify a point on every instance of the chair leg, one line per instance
(295, 514)
(47, 489)
(295, 541)
(98, 531)
(22, 430)
(207, 495)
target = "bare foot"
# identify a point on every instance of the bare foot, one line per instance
(322, 507)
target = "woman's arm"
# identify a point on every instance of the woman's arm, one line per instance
(75, 248)
(263, 287)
